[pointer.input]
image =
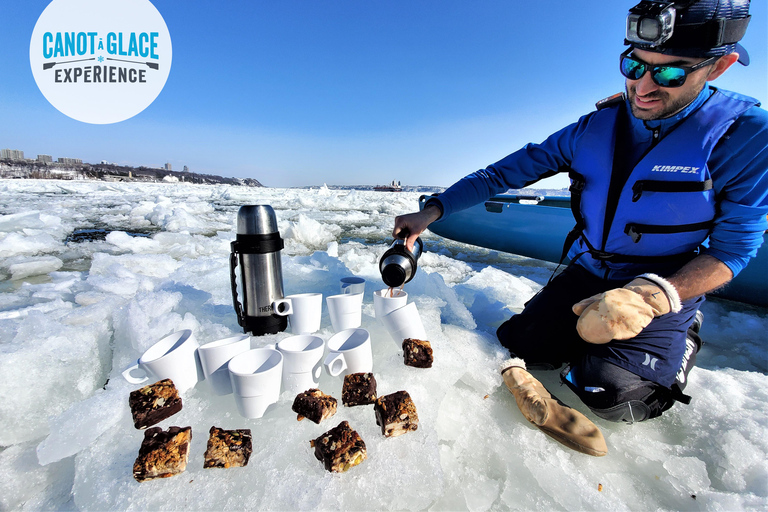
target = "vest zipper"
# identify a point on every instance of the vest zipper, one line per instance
(618, 182)
(655, 133)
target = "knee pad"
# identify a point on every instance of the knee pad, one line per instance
(629, 412)
(629, 400)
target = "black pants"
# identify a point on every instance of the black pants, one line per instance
(544, 335)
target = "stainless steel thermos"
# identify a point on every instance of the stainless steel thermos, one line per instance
(398, 264)
(257, 251)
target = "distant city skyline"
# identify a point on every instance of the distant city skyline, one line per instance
(296, 93)
(19, 154)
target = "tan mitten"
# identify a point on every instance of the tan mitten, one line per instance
(562, 423)
(622, 313)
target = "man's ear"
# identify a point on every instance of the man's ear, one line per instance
(722, 64)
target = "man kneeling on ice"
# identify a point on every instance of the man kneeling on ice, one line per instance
(655, 172)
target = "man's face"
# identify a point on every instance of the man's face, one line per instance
(650, 101)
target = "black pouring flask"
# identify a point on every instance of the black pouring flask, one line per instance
(398, 265)
(257, 251)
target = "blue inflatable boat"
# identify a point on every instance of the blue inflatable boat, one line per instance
(536, 227)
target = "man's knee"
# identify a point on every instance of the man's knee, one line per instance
(544, 333)
(540, 342)
(515, 338)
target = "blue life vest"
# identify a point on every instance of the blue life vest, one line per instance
(664, 211)
(665, 208)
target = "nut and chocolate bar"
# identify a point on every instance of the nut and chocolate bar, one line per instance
(340, 448)
(314, 405)
(154, 403)
(358, 389)
(228, 448)
(417, 353)
(162, 453)
(396, 414)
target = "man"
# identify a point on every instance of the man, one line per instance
(655, 172)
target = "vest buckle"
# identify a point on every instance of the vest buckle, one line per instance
(631, 230)
(601, 255)
(577, 186)
(637, 191)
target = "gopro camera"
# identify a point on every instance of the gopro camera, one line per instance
(651, 23)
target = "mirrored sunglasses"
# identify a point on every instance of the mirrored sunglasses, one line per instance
(664, 76)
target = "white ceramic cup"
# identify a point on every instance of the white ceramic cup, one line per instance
(173, 357)
(257, 372)
(304, 311)
(302, 355)
(349, 351)
(345, 310)
(386, 301)
(403, 323)
(352, 284)
(253, 407)
(299, 382)
(215, 356)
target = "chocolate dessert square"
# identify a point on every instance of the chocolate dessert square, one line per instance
(162, 453)
(358, 389)
(340, 448)
(154, 403)
(417, 353)
(314, 405)
(396, 414)
(228, 448)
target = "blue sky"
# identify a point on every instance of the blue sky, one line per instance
(345, 92)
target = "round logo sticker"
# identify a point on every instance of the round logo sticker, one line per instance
(100, 61)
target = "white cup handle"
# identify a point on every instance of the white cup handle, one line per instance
(335, 363)
(130, 378)
(282, 307)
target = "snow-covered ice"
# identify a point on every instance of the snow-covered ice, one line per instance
(94, 273)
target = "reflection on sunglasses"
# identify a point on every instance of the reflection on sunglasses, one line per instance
(664, 76)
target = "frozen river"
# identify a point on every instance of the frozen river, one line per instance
(94, 273)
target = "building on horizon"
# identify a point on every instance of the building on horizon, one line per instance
(167, 167)
(12, 154)
(69, 161)
(46, 159)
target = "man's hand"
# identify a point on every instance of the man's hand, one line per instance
(415, 223)
(621, 313)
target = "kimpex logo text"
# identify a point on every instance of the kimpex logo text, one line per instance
(675, 168)
(100, 62)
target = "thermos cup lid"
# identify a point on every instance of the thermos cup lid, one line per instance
(393, 275)
(256, 219)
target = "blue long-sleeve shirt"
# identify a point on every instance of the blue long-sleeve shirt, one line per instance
(738, 166)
